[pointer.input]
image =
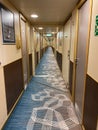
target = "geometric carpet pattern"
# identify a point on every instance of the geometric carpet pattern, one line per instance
(46, 103)
(49, 73)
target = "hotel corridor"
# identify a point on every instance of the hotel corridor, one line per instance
(46, 103)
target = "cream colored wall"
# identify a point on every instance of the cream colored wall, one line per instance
(60, 41)
(54, 45)
(35, 45)
(29, 39)
(73, 35)
(57, 41)
(54, 42)
(66, 48)
(33, 40)
(37, 42)
(8, 54)
(41, 42)
(93, 49)
(44, 43)
(38, 45)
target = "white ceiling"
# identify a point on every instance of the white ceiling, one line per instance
(52, 13)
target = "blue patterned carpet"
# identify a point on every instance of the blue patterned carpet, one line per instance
(45, 104)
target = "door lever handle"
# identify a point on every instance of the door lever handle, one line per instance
(76, 61)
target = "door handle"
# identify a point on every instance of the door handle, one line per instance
(68, 54)
(76, 61)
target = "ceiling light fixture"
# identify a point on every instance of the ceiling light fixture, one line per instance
(53, 32)
(34, 16)
(40, 28)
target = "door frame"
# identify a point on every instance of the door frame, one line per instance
(66, 36)
(75, 51)
(21, 17)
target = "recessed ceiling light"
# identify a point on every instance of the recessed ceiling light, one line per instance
(53, 32)
(40, 28)
(34, 16)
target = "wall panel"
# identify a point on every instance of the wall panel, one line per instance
(13, 82)
(59, 60)
(71, 76)
(30, 65)
(91, 104)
